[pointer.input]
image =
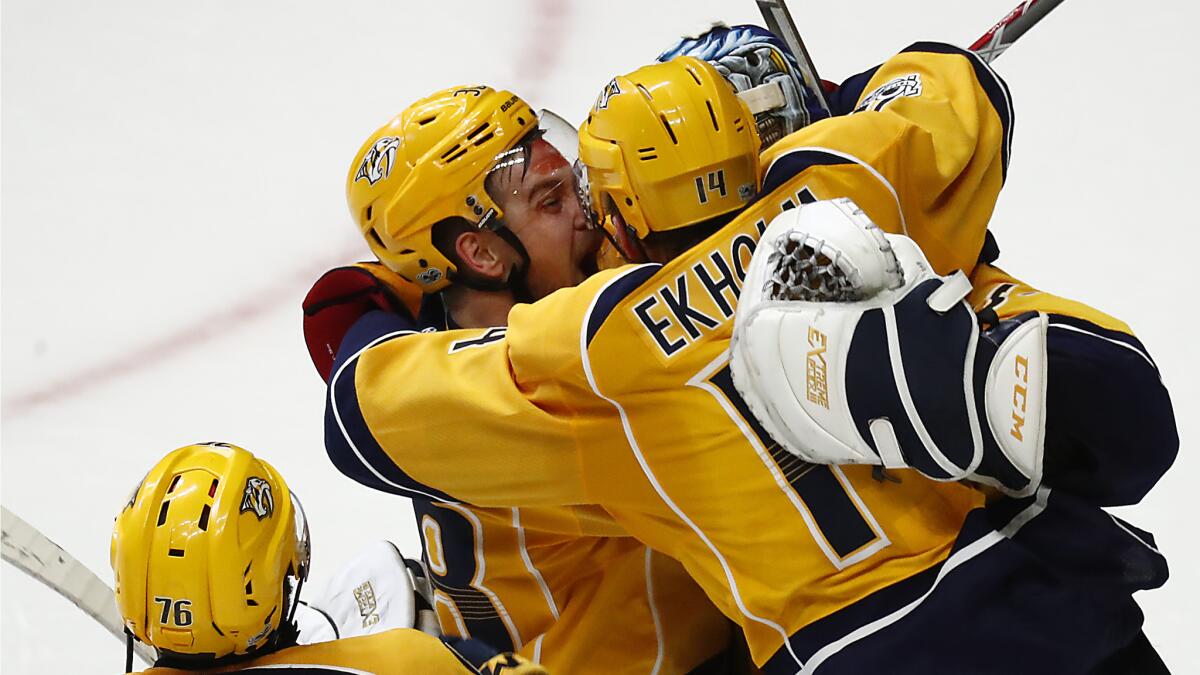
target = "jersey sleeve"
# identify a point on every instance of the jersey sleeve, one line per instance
(471, 416)
(922, 146)
(1111, 432)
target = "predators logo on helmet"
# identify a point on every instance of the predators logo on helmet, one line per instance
(377, 163)
(257, 498)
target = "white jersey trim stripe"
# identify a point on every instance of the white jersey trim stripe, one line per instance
(481, 572)
(1008, 124)
(658, 630)
(1126, 345)
(322, 666)
(870, 169)
(346, 434)
(957, 559)
(649, 473)
(533, 570)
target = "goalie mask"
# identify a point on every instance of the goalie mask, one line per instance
(208, 555)
(667, 146)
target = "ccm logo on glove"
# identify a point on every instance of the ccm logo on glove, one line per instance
(1020, 397)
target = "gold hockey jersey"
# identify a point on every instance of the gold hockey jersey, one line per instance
(617, 392)
(570, 601)
(396, 652)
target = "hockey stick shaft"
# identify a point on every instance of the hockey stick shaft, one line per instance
(33, 553)
(990, 45)
(779, 21)
(1014, 24)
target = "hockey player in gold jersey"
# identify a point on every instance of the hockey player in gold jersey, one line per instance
(618, 392)
(563, 585)
(209, 556)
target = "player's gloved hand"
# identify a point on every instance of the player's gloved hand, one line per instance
(344, 294)
(850, 350)
(377, 591)
(762, 71)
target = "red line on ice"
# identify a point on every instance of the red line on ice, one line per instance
(534, 66)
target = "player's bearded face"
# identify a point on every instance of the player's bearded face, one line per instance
(541, 206)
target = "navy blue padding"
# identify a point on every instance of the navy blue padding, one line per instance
(933, 349)
(1055, 598)
(614, 293)
(844, 99)
(372, 326)
(789, 165)
(1110, 426)
(995, 88)
(871, 392)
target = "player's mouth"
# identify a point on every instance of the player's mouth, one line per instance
(587, 253)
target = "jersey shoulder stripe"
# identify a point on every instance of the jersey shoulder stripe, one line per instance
(1127, 340)
(348, 440)
(807, 157)
(614, 292)
(789, 165)
(995, 88)
(845, 98)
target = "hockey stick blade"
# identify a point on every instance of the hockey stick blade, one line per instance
(33, 553)
(1014, 24)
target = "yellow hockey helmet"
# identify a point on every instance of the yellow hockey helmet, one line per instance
(428, 164)
(668, 145)
(209, 553)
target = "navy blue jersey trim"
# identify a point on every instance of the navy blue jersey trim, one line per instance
(811, 640)
(616, 291)
(790, 165)
(348, 440)
(995, 88)
(991, 249)
(1085, 326)
(1049, 576)
(845, 99)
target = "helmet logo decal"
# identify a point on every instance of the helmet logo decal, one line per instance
(610, 90)
(377, 163)
(257, 498)
(430, 276)
(254, 640)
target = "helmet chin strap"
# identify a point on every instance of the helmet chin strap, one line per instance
(516, 281)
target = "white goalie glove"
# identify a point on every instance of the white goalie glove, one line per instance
(849, 349)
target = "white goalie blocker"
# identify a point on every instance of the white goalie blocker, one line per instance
(849, 349)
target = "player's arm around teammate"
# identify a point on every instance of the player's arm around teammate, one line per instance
(540, 580)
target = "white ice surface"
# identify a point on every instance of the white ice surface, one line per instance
(173, 181)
